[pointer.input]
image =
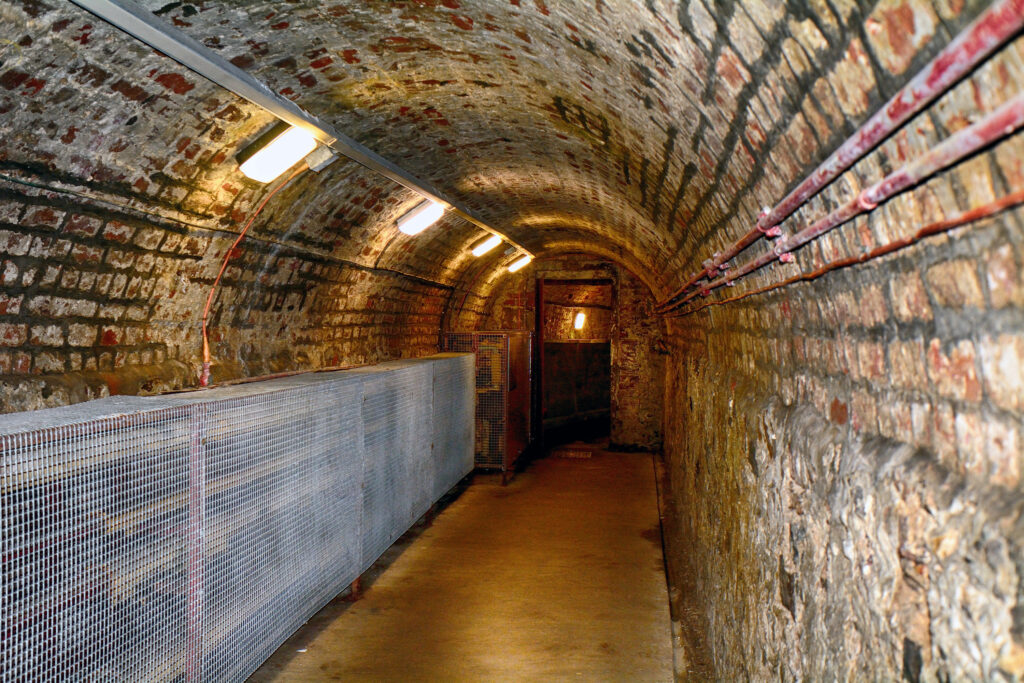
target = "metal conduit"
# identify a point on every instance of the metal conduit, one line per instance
(203, 61)
(1005, 203)
(994, 27)
(999, 124)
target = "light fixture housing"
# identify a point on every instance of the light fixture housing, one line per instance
(425, 214)
(486, 245)
(274, 152)
(580, 319)
(519, 263)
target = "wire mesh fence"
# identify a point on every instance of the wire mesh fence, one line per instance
(503, 376)
(186, 537)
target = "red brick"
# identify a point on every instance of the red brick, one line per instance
(149, 238)
(118, 232)
(12, 334)
(85, 226)
(954, 375)
(14, 244)
(909, 300)
(9, 274)
(970, 439)
(81, 335)
(61, 307)
(873, 309)
(10, 211)
(1004, 450)
(43, 216)
(1003, 278)
(906, 359)
(22, 363)
(10, 304)
(1002, 361)
(871, 359)
(46, 335)
(119, 259)
(48, 362)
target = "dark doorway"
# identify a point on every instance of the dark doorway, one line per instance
(574, 322)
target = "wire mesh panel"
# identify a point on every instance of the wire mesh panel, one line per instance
(397, 477)
(282, 500)
(185, 538)
(453, 420)
(94, 522)
(491, 392)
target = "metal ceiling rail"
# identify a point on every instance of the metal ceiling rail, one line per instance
(195, 56)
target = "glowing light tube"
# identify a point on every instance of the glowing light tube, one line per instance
(485, 246)
(278, 155)
(420, 218)
(521, 263)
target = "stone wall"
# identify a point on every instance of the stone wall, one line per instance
(637, 337)
(95, 301)
(844, 455)
(845, 460)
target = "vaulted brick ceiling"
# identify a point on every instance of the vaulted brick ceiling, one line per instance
(633, 130)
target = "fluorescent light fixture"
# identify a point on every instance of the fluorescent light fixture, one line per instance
(521, 263)
(580, 319)
(275, 152)
(422, 217)
(485, 246)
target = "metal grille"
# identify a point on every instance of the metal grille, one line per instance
(396, 477)
(491, 393)
(454, 407)
(185, 538)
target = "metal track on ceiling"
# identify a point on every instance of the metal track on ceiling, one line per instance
(195, 56)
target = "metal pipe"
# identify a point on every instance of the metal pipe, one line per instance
(203, 61)
(204, 376)
(962, 144)
(1010, 201)
(994, 27)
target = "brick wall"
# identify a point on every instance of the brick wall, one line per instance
(636, 335)
(848, 498)
(95, 302)
(843, 454)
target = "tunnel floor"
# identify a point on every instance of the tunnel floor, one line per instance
(558, 575)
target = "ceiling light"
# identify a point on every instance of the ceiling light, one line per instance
(275, 152)
(485, 246)
(580, 319)
(521, 263)
(422, 217)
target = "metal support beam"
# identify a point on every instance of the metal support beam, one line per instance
(203, 61)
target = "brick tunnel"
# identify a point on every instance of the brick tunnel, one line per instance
(785, 239)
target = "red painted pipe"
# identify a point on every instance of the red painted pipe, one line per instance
(1010, 201)
(1000, 22)
(204, 377)
(962, 144)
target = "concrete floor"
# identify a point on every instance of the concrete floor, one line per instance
(557, 576)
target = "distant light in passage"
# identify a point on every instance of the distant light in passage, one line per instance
(580, 319)
(521, 263)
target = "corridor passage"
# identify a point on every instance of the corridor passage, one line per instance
(557, 576)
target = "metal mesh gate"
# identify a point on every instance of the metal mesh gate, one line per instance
(186, 537)
(502, 393)
(491, 393)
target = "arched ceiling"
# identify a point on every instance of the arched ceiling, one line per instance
(633, 130)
